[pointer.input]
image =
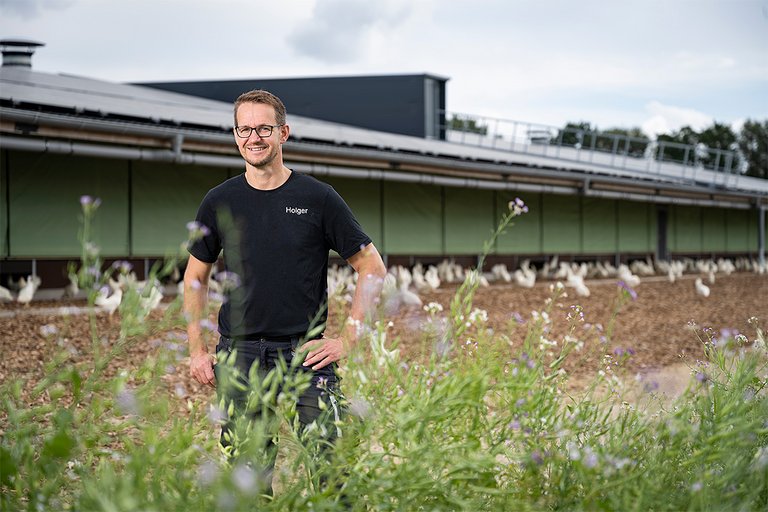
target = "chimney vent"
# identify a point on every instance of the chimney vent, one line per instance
(18, 52)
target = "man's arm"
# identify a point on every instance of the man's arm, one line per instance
(195, 300)
(371, 272)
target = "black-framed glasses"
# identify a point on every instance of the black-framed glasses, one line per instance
(263, 130)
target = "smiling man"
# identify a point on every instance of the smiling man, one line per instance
(275, 228)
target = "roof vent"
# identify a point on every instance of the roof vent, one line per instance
(18, 52)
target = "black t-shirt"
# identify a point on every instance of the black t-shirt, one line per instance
(277, 243)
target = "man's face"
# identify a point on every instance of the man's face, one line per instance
(259, 151)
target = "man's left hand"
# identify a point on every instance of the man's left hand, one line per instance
(323, 352)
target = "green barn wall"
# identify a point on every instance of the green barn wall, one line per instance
(412, 219)
(713, 230)
(3, 204)
(636, 227)
(738, 229)
(164, 197)
(364, 199)
(561, 217)
(599, 225)
(524, 235)
(45, 193)
(469, 219)
(686, 225)
(146, 205)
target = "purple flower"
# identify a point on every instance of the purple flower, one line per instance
(628, 290)
(650, 387)
(123, 266)
(518, 317)
(89, 203)
(537, 458)
(229, 280)
(197, 230)
(702, 377)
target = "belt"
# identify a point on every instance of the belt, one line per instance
(261, 337)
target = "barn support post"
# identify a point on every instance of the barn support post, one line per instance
(761, 235)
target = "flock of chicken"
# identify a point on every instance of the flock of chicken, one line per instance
(402, 286)
(108, 298)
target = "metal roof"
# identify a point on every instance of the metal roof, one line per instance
(108, 103)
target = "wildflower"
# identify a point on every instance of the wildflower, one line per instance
(517, 207)
(206, 324)
(229, 280)
(88, 203)
(590, 458)
(514, 425)
(197, 230)
(627, 290)
(49, 330)
(207, 473)
(702, 377)
(244, 478)
(122, 266)
(478, 315)
(433, 308)
(573, 451)
(650, 387)
(696, 486)
(127, 403)
(359, 407)
(93, 271)
(537, 458)
(217, 415)
(518, 317)
(180, 390)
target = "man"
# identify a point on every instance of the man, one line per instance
(276, 228)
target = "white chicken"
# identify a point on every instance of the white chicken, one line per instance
(701, 288)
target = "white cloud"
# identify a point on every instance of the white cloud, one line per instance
(341, 30)
(668, 118)
(27, 9)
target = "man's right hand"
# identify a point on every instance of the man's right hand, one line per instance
(201, 368)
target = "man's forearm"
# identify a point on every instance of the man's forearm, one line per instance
(365, 301)
(195, 303)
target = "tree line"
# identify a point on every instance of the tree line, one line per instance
(686, 145)
(714, 146)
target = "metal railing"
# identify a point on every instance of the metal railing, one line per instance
(699, 164)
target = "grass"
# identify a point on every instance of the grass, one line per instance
(485, 422)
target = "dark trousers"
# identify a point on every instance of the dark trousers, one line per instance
(268, 355)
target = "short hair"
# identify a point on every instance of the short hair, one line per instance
(262, 96)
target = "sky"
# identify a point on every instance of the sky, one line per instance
(656, 64)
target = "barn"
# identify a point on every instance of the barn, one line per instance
(150, 154)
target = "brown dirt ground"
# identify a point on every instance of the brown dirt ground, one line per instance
(656, 326)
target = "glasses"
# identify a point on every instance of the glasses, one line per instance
(263, 130)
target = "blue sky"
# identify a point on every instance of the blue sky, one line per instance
(658, 64)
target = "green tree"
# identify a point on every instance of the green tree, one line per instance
(753, 144)
(467, 124)
(631, 141)
(573, 134)
(670, 149)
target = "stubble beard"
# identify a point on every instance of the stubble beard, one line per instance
(265, 160)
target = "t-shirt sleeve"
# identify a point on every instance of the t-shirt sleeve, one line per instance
(207, 247)
(342, 231)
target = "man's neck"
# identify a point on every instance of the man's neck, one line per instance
(266, 178)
